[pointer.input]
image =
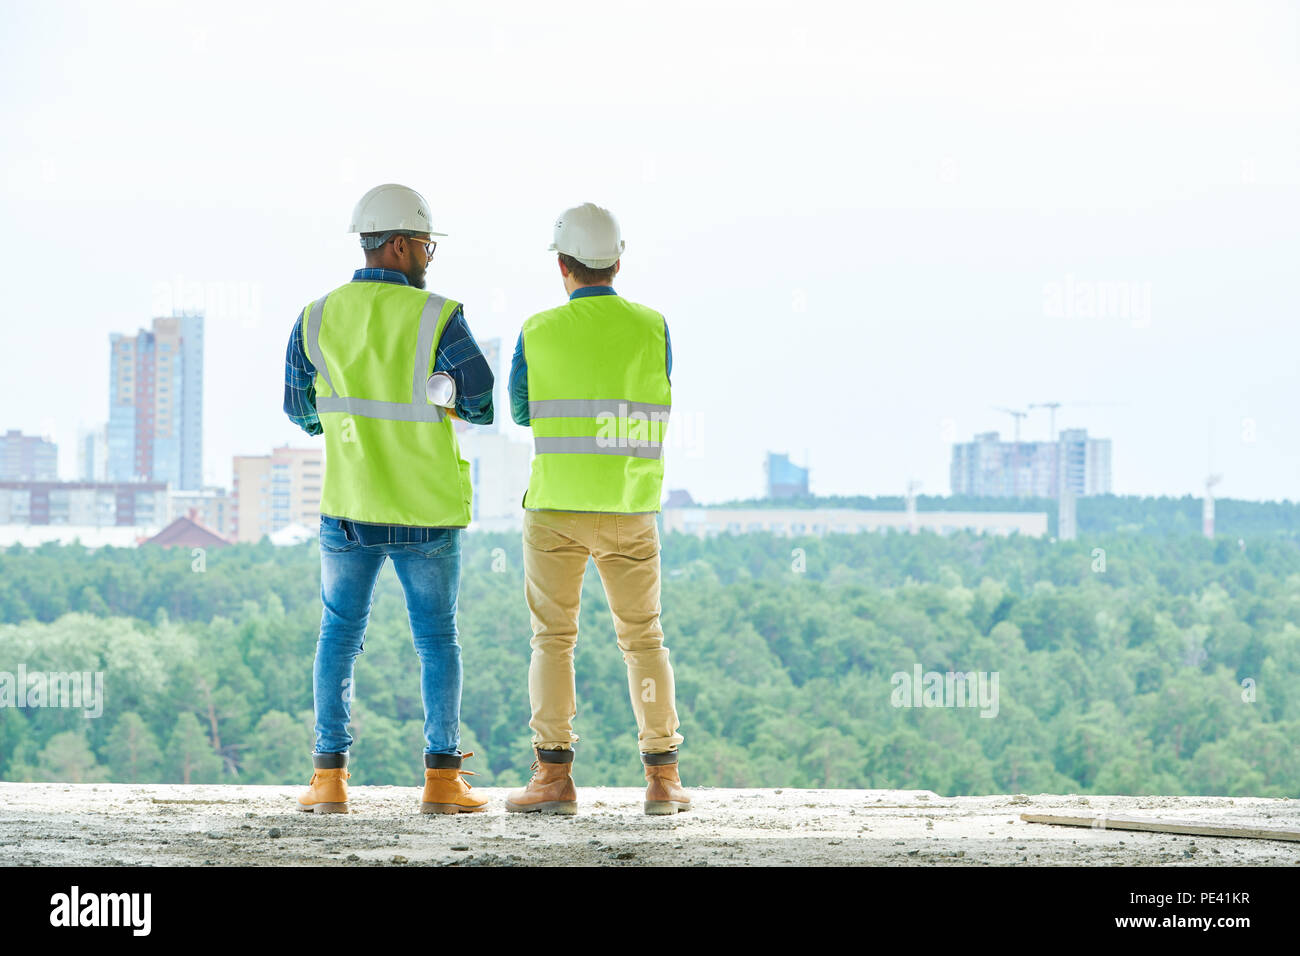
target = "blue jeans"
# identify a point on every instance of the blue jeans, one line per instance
(429, 571)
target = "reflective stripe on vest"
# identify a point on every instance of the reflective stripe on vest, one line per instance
(591, 408)
(616, 415)
(596, 445)
(417, 409)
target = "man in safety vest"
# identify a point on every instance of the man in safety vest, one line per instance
(592, 379)
(381, 367)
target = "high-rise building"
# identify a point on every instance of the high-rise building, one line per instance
(498, 466)
(28, 457)
(990, 467)
(785, 479)
(92, 453)
(499, 471)
(1085, 462)
(491, 349)
(155, 421)
(271, 492)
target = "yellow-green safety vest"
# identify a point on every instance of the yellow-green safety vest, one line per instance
(598, 401)
(391, 455)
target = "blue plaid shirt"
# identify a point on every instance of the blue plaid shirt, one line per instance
(458, 355)
(518, 386)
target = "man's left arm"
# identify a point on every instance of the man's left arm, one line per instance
(668, 353)
(300, 384)
(518, 386)
(461, 358)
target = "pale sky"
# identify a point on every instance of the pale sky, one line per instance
(868, 225)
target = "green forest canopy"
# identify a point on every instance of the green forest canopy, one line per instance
(1131, 660)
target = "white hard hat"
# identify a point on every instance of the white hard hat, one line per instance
(589, 234)
(391, 206)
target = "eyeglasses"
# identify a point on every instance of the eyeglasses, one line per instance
(429, 244)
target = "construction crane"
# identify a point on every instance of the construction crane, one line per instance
(1053, 406)
(1018, 415)
(1056, 470)
(1015, 469)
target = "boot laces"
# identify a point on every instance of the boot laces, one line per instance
(536, 768)
(467, 772)
(463, 772)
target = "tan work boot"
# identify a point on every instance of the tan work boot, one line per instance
(551, 789)
(328, 790)
(444, 790)
(663, 792)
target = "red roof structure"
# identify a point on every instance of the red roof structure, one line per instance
(186, 532)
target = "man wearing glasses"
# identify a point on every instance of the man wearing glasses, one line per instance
(380, 368)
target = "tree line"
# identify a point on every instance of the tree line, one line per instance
(1127, 663)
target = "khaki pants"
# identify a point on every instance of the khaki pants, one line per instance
(626, 552)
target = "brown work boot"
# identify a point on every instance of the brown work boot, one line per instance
(663, 792)
(551, 789)
(328, 790)
(444, 790)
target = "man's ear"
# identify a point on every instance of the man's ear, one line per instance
(616, 265)
(563, 271)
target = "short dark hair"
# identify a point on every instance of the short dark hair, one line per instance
(371, 241)
(586, 274)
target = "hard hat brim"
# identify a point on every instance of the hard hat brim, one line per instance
(356, 228)
(355, 231)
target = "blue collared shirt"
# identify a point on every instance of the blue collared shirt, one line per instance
(519, 368)
(458, 355)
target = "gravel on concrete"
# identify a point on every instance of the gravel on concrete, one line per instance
(52, 824)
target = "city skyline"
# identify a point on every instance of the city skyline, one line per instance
(87, 435)
(962, 477)
(903, 220)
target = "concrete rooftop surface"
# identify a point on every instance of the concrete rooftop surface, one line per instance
(52, 824)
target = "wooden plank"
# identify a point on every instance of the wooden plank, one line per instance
(1190, 827)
